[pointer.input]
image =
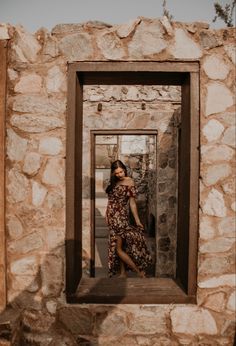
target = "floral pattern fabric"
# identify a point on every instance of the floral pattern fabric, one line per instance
(133, 240)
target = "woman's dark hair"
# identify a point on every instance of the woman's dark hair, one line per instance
(113, 179)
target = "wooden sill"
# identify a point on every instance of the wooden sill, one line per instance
(129, 291)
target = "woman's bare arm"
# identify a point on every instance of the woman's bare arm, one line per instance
(134, 210)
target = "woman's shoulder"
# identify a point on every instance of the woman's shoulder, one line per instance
(129, 181)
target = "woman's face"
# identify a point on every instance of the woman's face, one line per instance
(119, 173)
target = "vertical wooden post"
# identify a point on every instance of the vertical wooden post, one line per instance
(3, 68)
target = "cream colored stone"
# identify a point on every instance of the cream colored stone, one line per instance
(4, 32)
(37, 104)
(229, 186)
(18, 186)
(32, 163)
(55, 200)
(193, 320)
(184, 47)
(39, 193)
(54, 173)
(231, 305)
(147, 40)
(206, 228)
(229, 137)
(231, 51)
(50, 146)
(77, 46)
(14, 226)
(227, 227)
(51, 47)
(25, 283)
(214, 265)
(216, 281)
(216, 301)
(213, 153)
(233, 206)
(51, 306)
(114, 320)
(26, 44)
(54, 237)
(111, 46)
(36, 124)
(167, 25)
(31, 242)
(214, 204)
(215, 68)
(213, 130)
(217, 245)
(56, 80)
(12, 74)
(218, 98)
(215, 173)
(16, 146)
(126, 29)
(149, 322)
(29, 84)
(25, 266)
(51, 274)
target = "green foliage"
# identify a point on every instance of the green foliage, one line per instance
(166, 12)
(225, 13)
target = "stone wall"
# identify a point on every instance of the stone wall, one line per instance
(35, 183)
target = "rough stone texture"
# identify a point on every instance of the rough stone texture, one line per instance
(214, 204)
(193, 320)
(35, 194)
(219, 98)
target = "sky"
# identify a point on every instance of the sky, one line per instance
(34, 14)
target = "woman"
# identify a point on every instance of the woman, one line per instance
(127, 247)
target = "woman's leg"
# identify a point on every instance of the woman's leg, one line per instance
(126, 258)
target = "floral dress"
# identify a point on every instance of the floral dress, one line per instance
(133, 241)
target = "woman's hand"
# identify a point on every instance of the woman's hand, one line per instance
(139, 224)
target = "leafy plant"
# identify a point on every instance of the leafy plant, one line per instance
(166, 12)
(225, 13)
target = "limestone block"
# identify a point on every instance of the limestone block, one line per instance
(12, 74)
(18, 186)
(215, 173)
(32, 163)
(14, 227)
(231, 305)
(229, 137)
(52, 274)
(26, 44)
(206, 228)
(231, 52)
(54, 237)
(51, 306)
(50, 145)
(148, 322)
(167, 25)
(233, 206)
(114, 321)
(76, 46)
(31, 242)
(227, 227)
(25, 266)
(29, 84)
(193, 320)
(54, 200)
(184, 47)
(215, 265)
(78, 320)
(36, 124)
(208, 40)
(213, 130)
(126, 29)
(54, 172)
(217, 245)
(215, 68)
(111, 46)
(63, 29)
(218, 98)
(216, 281)
(55, 80)
(213, 153)
(214, 204)
(16, 146)
(4, 32)
(39, 193)
(50, 47)
(147, 40)
(216, 301)
(37, 104)
(229, 186)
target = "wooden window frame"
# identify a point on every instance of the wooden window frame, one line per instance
(105, 290)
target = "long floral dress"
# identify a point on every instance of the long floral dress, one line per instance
(133, 241)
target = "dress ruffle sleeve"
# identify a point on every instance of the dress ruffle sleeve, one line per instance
(132, 191)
